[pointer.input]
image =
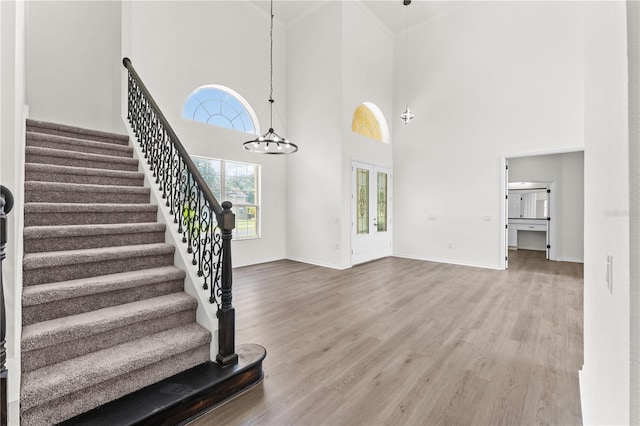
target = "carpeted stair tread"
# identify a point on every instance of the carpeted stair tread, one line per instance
(38, 239)
(55, 128)
(78, 187)
(83, 174)
(104, 311)
(76, 296)
(60, 330)
(57, 380)
(45, 140)
(75, 257)
(87, 208)
(45, 214)
(36, 154)
(38, 232)
(62, 290)
(36, 191)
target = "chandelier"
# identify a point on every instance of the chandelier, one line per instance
(270, 142)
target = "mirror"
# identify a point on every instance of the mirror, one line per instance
(528, 203)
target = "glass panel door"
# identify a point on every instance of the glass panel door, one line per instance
(371, 212)
(362, 203)
(382, 202)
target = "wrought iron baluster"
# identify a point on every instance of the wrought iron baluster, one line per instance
(191, 203)
(216, 251)
(166, 166)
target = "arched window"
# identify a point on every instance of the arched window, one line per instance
(369, 121)
(220, 106)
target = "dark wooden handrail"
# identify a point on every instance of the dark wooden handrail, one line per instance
(6, 204)
(208, 195)
(192, 205)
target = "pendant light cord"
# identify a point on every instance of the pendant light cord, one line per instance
(271, 101)
(407, 7)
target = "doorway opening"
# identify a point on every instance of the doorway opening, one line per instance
(543, 205)
(371, 212)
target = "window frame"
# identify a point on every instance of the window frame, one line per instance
(257, 198)
(381, 122)
(238, 97)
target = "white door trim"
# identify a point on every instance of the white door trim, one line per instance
(373, 169)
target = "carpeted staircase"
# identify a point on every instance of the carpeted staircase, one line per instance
(104, 311)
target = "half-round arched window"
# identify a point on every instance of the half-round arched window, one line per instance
(369, 121)
(220, 106)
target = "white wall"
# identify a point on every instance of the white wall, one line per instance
(314, 173)
(489, 79)
(177, 47)
(12, 110)
(633, 40)
(336, 60)
(367, 75)
(567, 171)
(605, 375)
(73, 63)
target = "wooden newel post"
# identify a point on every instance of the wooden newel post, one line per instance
(226, 312)
(6, 203)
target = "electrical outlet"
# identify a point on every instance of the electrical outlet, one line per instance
(609, 277)
(431, 217)
(450, 245)
(487, 218)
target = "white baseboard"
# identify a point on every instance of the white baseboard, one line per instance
(449, 261)
(569, 259)
(585, 413)
(315, 263)
(257, 261)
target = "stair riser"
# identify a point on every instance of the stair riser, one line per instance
(84, 179)
(84, 136)
(74, 162)
(70, 146)
(60, 409)
(86, 218)
(40, 245)
(79, 305)
(53, 196)
(93, 269)
(32, 360)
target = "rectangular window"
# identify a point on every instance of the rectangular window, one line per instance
(238, 183)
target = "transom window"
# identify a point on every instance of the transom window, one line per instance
(238, 183)
(369, 121)
(220, 106)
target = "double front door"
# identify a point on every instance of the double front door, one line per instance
(371, 223)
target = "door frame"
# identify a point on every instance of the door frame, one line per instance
(352, 211)
(504, 205)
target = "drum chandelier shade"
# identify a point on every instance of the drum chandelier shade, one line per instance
(270, 142)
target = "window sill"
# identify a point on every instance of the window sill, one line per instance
(246, 238)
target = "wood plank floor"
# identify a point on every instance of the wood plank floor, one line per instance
(405, 342)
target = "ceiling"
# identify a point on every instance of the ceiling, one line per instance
(391, 13)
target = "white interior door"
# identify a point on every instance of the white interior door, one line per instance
(371, 220)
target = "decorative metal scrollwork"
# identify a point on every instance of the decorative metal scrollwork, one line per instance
(194, 216)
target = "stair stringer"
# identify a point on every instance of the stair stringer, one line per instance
(205, 312)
